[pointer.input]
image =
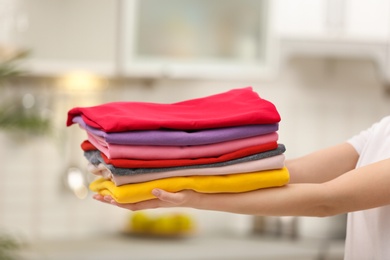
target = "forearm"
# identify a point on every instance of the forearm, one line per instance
(304, 196)
(359, 189)
(324, 165)
(290, 200)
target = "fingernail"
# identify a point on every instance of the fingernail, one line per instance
(156, 192)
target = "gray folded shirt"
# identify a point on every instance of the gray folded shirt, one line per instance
(94, 157)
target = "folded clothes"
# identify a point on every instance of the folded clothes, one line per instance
(270, 163)
(232, 108)
(87, 146)
(233, 183)
(134, 163)
(150, 152)
(95, 158)
(178, 137)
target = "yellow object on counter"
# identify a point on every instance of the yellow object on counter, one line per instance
(167, 224)
(232, 183)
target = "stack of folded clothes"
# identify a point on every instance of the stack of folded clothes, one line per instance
(222, 143)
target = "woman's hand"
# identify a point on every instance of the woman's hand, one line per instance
(164, 199)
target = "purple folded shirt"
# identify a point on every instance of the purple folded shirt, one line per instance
(178, 137)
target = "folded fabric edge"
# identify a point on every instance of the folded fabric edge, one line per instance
(232, 183)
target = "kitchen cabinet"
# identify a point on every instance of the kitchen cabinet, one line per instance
(335, 29)
(213, 39)
(70, 35)
(195, 39)
(352, 19)
(148, 38)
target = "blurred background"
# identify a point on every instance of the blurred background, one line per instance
(323, 63)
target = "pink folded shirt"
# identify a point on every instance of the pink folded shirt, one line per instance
(232, 108)
(145, 152)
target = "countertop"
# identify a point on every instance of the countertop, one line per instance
(198, 247)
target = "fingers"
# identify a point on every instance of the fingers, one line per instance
(149, 204)
(173, 198)
(163, 199)
(105, 199)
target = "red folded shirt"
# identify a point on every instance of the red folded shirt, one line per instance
(232, 108)
(131, 163)
(87, 146)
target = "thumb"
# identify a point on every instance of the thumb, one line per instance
(170, 197)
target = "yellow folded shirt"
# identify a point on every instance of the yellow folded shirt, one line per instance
(232, 183)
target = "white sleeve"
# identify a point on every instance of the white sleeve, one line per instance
(358, 141)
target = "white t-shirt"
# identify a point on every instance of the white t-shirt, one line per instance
(368, 231)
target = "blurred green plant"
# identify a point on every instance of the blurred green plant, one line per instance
(16, 118)
(8, 247)
(13, 115)
(9, 62)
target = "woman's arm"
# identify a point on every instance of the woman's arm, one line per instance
(357, 189)
(323, 165)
